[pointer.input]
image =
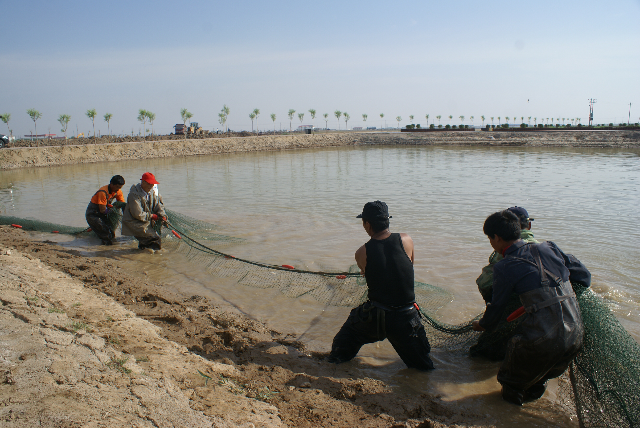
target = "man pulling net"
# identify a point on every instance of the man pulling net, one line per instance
(143, 212)
(391, 312)
(551, 332)
(101, 214)
(493, 344)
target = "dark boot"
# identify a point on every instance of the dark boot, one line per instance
(512, 395)
(535, 392)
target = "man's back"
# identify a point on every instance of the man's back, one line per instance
(389, 272)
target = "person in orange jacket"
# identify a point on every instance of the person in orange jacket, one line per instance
(97, 210)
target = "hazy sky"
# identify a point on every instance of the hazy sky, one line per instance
(541, 59)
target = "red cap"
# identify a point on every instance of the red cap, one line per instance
(149, 178)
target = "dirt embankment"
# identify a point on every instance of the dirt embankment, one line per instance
(85, 343)
(19, 157)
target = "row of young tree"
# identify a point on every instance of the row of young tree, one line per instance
(507, 118)
(145, 116)
(338, 114)
(64, 119)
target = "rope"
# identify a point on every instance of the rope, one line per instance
(204, 248)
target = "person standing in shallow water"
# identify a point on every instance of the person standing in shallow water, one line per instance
(143, 209)
(386, 261)
(97, 210)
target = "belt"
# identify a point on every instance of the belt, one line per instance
(381, 311)
(392, 308)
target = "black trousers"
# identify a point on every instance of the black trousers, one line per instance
(99, 223)
(154, 243)
(369, 324)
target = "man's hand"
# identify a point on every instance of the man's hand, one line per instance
(477, 326)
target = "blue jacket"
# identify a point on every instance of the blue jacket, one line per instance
(511, 275)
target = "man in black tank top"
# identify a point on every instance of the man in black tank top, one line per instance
(391, 313)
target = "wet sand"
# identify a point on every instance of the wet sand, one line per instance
(86, 343)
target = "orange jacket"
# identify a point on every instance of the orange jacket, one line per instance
(102, 196)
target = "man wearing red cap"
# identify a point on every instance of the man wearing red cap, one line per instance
(144, 208)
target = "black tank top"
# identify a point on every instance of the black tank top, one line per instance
(389, 272)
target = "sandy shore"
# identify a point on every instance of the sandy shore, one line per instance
(84, 342)
(20, 157)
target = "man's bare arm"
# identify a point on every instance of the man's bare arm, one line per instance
(361, 258)
(407, 243)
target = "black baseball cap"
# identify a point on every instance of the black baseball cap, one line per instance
(376, 210)
(520, 212)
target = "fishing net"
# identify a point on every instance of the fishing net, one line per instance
(347, 288)
(114, 218)
(605, 376)
(198, 229)
(604, 380)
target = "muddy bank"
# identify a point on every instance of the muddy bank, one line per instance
(86, 343)
(20, 157)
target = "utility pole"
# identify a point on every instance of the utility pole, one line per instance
(629, 120)
(591, 103)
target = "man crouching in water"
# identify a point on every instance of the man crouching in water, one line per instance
(550, 334)
(143, 209)
(98, 209)
(391, 312)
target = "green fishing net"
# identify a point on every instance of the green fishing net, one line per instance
(604, 380)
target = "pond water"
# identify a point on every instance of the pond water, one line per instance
(299, 207)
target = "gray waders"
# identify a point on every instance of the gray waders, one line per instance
(548, 339)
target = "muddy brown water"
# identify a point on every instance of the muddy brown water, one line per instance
(299, 207)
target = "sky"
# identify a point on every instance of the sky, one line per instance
(542, 59)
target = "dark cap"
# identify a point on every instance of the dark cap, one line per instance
(521, 213)
(376, 210)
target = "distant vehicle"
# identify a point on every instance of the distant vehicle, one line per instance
(370, 128)
(4, 140)
(357, 128)
(301, 127)
(193, 128)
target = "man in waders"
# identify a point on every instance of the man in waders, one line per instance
(97, 213)
(386, 261)
(493, 344)
(550, 334)
(144, 208)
